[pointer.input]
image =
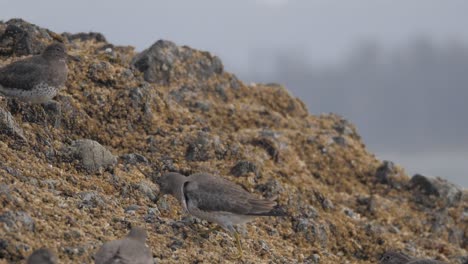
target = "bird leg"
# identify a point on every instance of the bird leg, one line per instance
(204, 233)
(239, 245)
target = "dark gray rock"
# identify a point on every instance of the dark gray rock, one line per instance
(202, 106)
(343, 127)
(53, 112)
(42, 256)
(90, 200)
(270, 189)
(324, 202)
(385, 171)
(165, 62)
(269, 145)
(462, 260)
(17, 220)
(5, 193)
(77, 251)
(456, 236)
(309, 212)
(131, 208)
(244, 167)
(200, 148)
(340, 141)
(133, 159)
(98, 73)
(423, 187)
(93, 157)
(98, 37)
(13, 171)
(147, 190)
(9, 126)
(22, 38)
(221, 91)
(4, 248)
(176, 244)
(312, 231)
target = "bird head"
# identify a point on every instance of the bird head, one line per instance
(55, 51)
(170, 182)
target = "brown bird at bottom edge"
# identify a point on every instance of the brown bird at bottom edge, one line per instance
(217, 200)
(129, 250)
(393, 257)
(42, 256)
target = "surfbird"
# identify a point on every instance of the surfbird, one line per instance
(42, 256)
(130, 249)
(392, 257)
(36, 79)
(217, 200)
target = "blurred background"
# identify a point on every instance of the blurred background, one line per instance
(397, 69)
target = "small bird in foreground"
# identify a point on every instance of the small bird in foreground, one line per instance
(36, 79)
(392, 257)
(129, 250)
(42, 256)
(217, 200)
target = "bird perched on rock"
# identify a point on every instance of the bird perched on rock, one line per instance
(36, 79)
(217, 200)
(42, 256)
(129, 250)
(392, 257)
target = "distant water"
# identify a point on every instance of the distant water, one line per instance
(452, 166)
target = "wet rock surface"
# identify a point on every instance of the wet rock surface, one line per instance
(175, 109)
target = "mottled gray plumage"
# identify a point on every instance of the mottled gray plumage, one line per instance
(216, 199)
(36, 79)
(131, 249)
(42, 256)
(392, 257)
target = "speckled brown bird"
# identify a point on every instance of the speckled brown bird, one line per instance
(129, 250)
(392, 257)
(36, 79)
(217, 200)
(42, 256)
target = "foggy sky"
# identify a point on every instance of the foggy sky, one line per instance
(246, 34)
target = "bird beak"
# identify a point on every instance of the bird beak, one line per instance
(74, 58)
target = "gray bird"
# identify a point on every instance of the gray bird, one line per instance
(217, 200)
(42, 256)
(392, 257)
(36, 79)
(130, 249)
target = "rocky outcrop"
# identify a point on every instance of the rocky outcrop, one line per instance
(21, 38)
(165, 62)
(426, 188)
(92, 156)
(173, 108)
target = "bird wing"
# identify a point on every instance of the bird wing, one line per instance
(211, 193)
(21, 74)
